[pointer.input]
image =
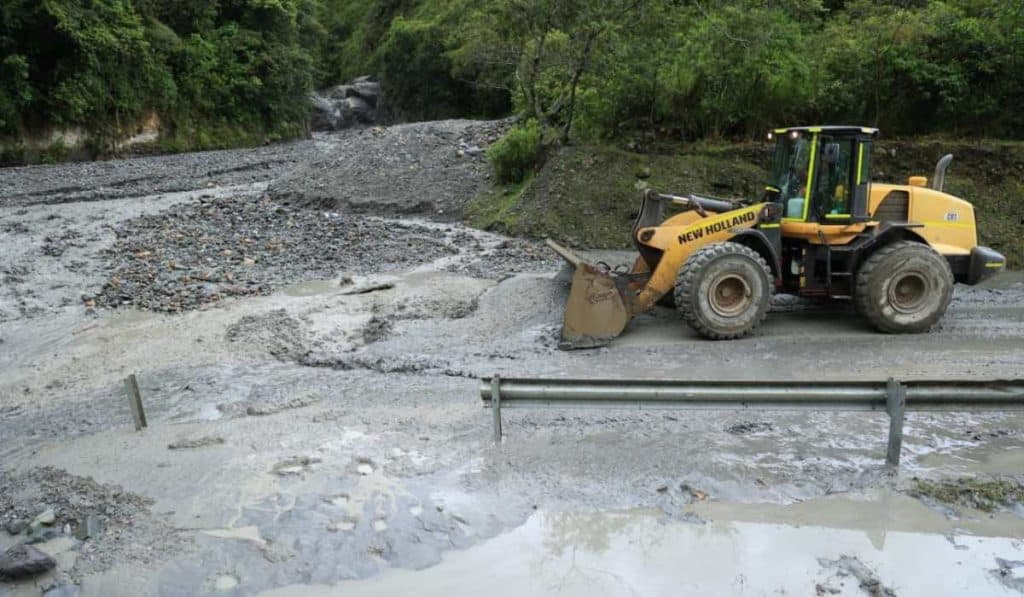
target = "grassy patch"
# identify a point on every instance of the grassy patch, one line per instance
(981, 494)
(495, 209)
(588, 195)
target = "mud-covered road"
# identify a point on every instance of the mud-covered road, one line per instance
(310, 380)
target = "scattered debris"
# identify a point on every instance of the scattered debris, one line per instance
(376, 329)
(1010, 573)
(986, 495)
(368, 288)
(294, 466)
(982, 435)
(869, 582)
(749, 427)
(693, 493)
(364, 466)
(190, 443)
(277, 402)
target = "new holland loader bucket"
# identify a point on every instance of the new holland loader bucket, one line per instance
(595, 312)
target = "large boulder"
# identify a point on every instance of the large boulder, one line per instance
(342, 106)
(326, 115)
(23, 561)
(366, 89)
(360, 110)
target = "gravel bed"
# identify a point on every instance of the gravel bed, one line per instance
(427, 168)
(211, 249)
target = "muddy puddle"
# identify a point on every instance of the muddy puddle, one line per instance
(827, 547)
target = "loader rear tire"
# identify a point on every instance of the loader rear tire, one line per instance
(904, 288)
(724, 290)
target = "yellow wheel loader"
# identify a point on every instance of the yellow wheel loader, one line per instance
(821, 229)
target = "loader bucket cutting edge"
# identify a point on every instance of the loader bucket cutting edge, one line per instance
(595, 312)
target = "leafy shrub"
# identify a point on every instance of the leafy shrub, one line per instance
(517, 153)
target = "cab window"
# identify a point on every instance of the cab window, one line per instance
(834, 188)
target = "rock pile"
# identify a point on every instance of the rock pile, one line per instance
(211, 249)
(429, 168)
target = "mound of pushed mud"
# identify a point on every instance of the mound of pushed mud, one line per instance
(432, 168)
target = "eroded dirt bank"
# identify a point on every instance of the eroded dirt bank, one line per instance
(326, 426)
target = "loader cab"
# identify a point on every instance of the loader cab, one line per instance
(821, 174)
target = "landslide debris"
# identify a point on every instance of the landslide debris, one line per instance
(432, 168)
(212, 249)
(108, 522)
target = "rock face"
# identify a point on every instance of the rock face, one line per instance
(342, 106)
(23, 561)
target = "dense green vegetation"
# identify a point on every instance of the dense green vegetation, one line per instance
(229, 71)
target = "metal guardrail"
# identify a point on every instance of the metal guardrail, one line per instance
(894, 397)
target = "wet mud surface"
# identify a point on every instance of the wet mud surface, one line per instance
(323, 432)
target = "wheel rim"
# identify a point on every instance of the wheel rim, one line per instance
(729, 295)
(908, 292)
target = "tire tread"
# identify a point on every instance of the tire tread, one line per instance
(686, 281)
(862, 300)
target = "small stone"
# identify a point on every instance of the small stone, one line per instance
(189, 443)
(46, 517)
(225, 582)
(23, 561)
(15, 527)
(248, 261)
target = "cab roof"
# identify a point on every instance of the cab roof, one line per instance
(839, 129)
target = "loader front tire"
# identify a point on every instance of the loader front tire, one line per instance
(724, 290)
(904, 288)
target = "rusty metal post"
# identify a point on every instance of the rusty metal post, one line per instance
(895, 404)
(131, 387)
(496, 407)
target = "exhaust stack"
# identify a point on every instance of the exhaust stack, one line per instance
(940, 172)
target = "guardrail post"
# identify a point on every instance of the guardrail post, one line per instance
(496, 407)
(895, 404)
(131, 388)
